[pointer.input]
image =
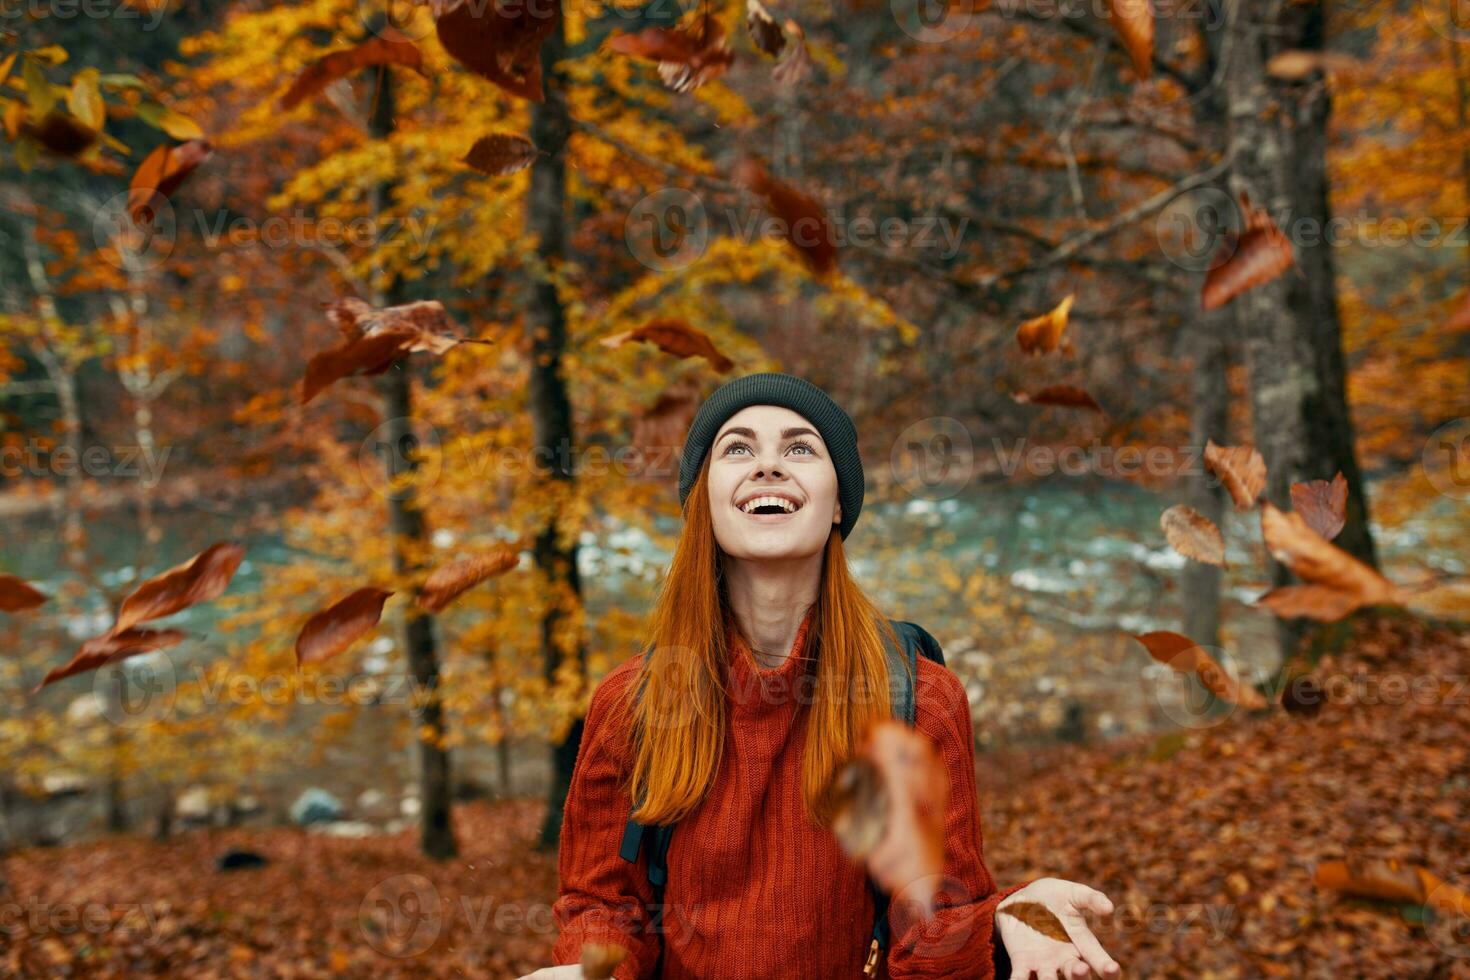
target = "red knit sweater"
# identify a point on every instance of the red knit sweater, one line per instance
(755, 889)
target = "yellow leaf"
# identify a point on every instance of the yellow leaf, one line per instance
(85, 99)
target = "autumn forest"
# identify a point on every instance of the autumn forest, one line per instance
(348, 349)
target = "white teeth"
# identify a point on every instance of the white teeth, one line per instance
(750, 505)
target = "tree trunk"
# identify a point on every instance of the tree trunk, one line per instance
(550, 405)
(1293, 347)
(407, 524)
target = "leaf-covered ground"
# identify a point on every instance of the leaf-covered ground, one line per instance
(1206, 841)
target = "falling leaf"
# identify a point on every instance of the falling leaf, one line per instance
(1038, 917)
(1193, 535)
(447, 583)
(599, 960)
(1312, 601)
(1241, 469)
(61, 134)
(175, 124)
(334, 629)
(16, 595)
(898, 830)
(389, 48)
(797, 64)
(1134, 22)
(687, 55)
(1389, 879)
(803, 221)
(1062, 396)
(1323, 505)
(85, 100)
(202, 578)
(500, 154)
(500, 41)
(111, 648)
(160, 174)
(1184, 655)
(376, 339)
(674, 337)
(765, 33)
(1317, 561)
(1042, 334)
(1246, 260)
(1295, 65)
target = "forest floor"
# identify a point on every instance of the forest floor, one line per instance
(1206, 841)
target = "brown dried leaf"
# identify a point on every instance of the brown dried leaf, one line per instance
(1241, 469)
(16, 594)
(334, 629)
(1193, 535)
(500, 41)
(765, 33)
(1062, 396)
(1134, 22)
(797, 64)
(1043, 334)
(1257, 255)
(675, 337)
(160, 175)
(500, 154)
(1312, 601)
(1323, 505)
(805, 223)
(1038, 917)
(599, 960)
(1293, 543)
(688, 55)
(390, 48)
(377, 339)
(202, 578)
(448, 582)
(1184, 655)
(111, 648)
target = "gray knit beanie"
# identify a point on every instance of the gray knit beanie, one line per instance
(802, 397)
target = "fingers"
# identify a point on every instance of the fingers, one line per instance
(1074, 969)
(1089, 948)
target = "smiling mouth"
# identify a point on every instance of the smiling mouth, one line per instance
(769, 506)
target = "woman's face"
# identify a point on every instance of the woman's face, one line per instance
(764, 451)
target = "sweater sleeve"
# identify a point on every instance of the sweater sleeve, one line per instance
(602, 898)
(959, 941)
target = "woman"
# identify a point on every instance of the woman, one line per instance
(736, 719)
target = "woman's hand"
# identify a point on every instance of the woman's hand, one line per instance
(572, 971)
(1030, 951)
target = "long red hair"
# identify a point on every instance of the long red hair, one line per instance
(678, 720)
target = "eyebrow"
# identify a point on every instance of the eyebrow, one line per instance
(785, 433)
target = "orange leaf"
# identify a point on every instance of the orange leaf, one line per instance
(1241, 469)
(334, 629)
(1038, 917)
(1042, 334)
(1322, 505)
(111, 648)
(1184, 655)
(804, 222)
(160, 174)
(391, 48)
(1316, 560)
(1253, 257)
(1193, 535)
(674, 337)
(200, 579)
(688, 55)
(16, 594)
(1062, 396)
(1134, 22)
(447, 583)
(600, 959)
(1312, 601)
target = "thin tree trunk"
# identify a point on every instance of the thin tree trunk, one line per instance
(550, 405)
(407, 524)
(1293, 348)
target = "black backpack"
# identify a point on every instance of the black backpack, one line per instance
(903, 667)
